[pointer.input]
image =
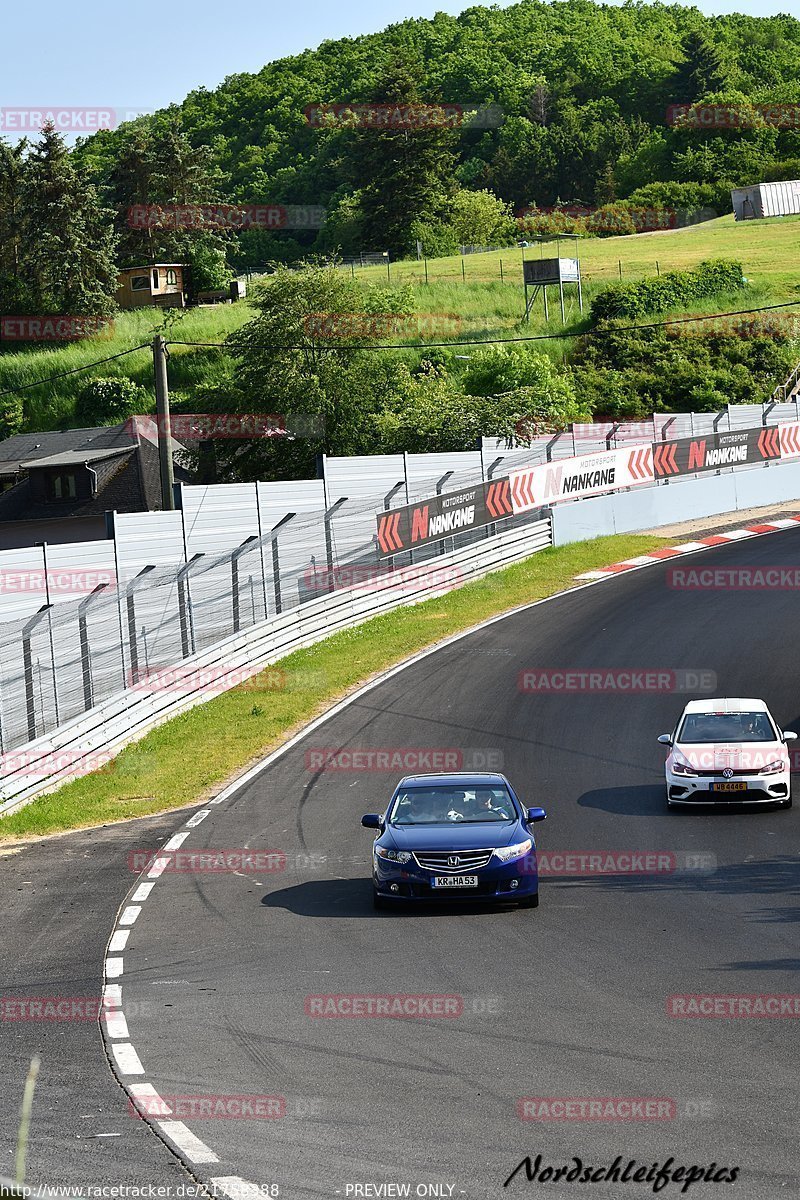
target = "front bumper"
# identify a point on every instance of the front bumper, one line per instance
(758, 789)
(497, 881)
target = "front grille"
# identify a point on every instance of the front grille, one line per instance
(468, 860)
(736, 772)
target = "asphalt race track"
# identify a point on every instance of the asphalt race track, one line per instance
(569, 1000)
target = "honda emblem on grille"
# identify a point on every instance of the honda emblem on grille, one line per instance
(453, 860)
(727, 773)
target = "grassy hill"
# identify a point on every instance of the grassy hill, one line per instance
(488, 307)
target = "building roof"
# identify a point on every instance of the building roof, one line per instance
(149, 267)
(73, 458)
(28, 448)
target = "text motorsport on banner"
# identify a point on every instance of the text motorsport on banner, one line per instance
(442, 516)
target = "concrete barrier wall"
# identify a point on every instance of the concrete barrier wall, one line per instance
(679, 500)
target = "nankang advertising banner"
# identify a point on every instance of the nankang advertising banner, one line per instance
(712, 451)
(442, 516)
(586, 475)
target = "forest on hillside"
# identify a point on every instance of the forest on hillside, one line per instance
(579, 95)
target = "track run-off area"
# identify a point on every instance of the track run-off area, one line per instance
(219, 979)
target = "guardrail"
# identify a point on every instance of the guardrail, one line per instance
(83, 744)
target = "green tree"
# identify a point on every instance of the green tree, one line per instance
(481, 219)
(404, 174)
(702, 71)
(66, 243)
(13, 289)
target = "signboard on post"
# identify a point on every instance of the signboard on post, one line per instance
(586, 475)
(712, 451)
(441, 516)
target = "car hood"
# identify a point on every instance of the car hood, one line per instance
(750, 756)
(478, 836)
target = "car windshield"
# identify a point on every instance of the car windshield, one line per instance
(700, 728)
(449, 805)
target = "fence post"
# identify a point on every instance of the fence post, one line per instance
(329, 538)
(130, 604)
(27, 666)
(276, 562)
(235, 556)
(43, 546)
(491, 529)
(261, 550)
(185, 615)
(387, 504)
(83, 637)
(439, 486)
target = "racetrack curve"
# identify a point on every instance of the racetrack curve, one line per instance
(565, 1001)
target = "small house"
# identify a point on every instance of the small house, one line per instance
(163, 285)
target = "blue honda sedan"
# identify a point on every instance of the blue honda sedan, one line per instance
(454, 836)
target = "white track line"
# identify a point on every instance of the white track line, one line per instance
(141, 893)
(113, 968)
(119, 940)
(189, 1145)
(148, 1101)
(175, 842)
(197, 818)
(127, 1060)
(116, 1025)
(129, 914)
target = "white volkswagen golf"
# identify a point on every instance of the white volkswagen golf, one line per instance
(728, 750)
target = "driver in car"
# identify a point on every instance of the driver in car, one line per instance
(417, 810)
(485, 804)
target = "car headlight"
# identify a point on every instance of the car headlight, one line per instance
(773, 768)
(396, 856)
(680, 767)
(509, 853)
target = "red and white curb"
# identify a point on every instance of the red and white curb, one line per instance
(717, 539)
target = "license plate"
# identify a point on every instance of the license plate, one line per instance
(454, 881)
(728, 787)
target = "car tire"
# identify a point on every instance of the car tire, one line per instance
(379, 901)
(530, 901)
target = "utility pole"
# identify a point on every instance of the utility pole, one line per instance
(163, 422)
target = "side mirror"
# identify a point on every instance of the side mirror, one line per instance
(665, 739)
(371, 821)
(536, 814)
(789, 735)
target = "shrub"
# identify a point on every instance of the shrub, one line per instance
(107, 401)
(674, 289)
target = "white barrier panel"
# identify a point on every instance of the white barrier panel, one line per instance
(586, 475)
(89, 741)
